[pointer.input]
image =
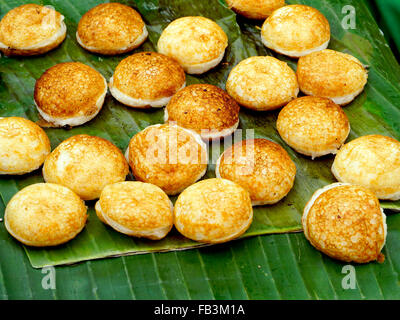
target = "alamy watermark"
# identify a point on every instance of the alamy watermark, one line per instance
(49, 280)
(49, 20)
(349, 281)
(349, 21)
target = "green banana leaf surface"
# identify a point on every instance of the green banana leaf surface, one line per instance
(277, 266)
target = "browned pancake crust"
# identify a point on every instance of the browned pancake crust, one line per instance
(252, 9)
(346, 223)
(69, 89)
(22, 27)
(148, 75)
(312, 125)
(371, 161)
(260, 166)
(109, 27)
(23, 145)
(330, 74)
(203, 106)
(167, 156)
(136, 206)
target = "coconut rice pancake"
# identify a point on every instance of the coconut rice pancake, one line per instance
(204, 108)
(346, 223)
(260, 166)
(371, 161)
(255, 9)
(147, 79)
(197, 43)
(85, 164)
(213, 211)
(23, 145)
(45, 214)
(332, 74)
(296, 30)
(167, 156)
(111, 28)
(70, 94)
(31, 29)
(262, 83)
(136, 209)
(313, 126)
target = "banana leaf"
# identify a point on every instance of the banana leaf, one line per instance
(375, 111)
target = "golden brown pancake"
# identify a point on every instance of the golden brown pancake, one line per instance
(255, 9)
(111, 28)
(213, 211)
(313, 126)
(85, 164)
(70, 94)
(371, 161)
(346, 223)
(31, 29)
(167, 156)
(147, 79)
(262, 83)
(197, 43)
(23, 146)
(136, 209)
(331, 74)
(45, 214)
(260, 166)
(204, 108)
(296, 30)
